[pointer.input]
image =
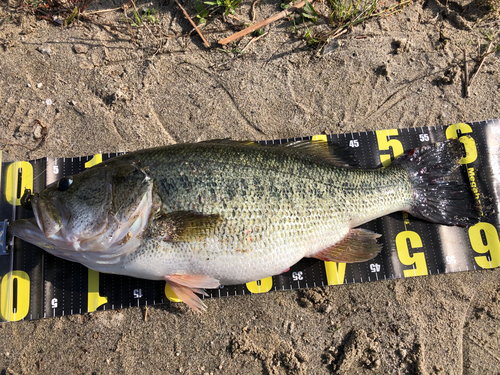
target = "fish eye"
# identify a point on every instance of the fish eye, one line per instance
(64, 183)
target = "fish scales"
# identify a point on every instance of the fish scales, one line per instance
(277, 207)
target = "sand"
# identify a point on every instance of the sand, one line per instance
(98, 89)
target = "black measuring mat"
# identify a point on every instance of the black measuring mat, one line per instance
(35, 284)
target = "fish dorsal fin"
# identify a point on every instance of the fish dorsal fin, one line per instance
(331, 153)
(186, 226)
(228, 141)
(359, 245)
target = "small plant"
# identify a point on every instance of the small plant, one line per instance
(258, 32)
(71, 17)
(229, 7)
(147, 15)
(202, 13)
(309, 12)
(488, 34)
(234, 50)
(351, 12)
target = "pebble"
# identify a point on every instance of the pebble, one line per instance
(37, 133)
(44, 50)
(78, 48)
(49, 102)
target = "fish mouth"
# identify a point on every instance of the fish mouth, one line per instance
(29, 231)
(47, 216)
(41, 228)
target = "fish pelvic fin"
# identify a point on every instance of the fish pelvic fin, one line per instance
(359, 245)
(442, 193)
(185, 287)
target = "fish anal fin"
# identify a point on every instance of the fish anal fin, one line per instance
(186, 226)
(187, 286)
(359, 245)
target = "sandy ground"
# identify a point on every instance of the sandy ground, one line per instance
(97, 88)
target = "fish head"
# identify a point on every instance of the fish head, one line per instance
(95, 216)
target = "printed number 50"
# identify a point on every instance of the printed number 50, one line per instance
(386, 144)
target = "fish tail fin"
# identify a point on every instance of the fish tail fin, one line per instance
(441, 193)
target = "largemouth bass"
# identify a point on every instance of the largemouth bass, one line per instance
(223, 212)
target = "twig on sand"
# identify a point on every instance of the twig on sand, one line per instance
(146, 314)
(104, 11)
(253, 40)
(468, 80)
(243, 50)
(466, 76)
(15, 144)
(194, 25)
(261, 24)
(253, 9)
(482, 58)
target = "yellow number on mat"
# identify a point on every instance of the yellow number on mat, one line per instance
(469, 143)
(94, 161)
(492, 245)
(417, 260)
(94, 299)
(8, 311)
(170, 294)
(385, 144)
(335, 273)
(11, 186)
(260, 286)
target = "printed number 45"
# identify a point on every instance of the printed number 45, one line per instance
(353, 143)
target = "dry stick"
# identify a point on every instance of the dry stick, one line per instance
(243, 50)
(253, 9)
(125, 7)
(253, 40)
(466, 76)
(194, 25)
(15, 144)
(261, 24)
(339, 33)
(103, 11)
(480, 64)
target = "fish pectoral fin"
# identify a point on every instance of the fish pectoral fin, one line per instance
(186, 226)
(359, 245)
(185, 287)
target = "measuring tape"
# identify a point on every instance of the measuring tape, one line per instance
(35, 284)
